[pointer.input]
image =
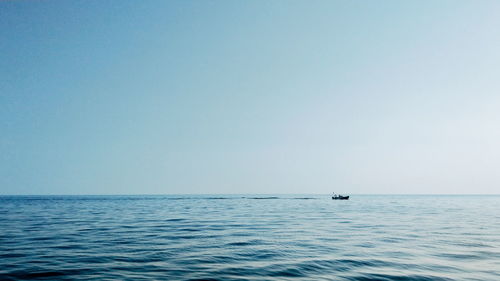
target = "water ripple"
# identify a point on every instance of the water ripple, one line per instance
(249, 237)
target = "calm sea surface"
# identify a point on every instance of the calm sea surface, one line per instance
(247, 237)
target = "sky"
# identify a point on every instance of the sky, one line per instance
(249, 97)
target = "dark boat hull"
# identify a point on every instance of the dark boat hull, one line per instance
(340, 197)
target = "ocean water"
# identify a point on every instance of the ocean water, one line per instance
(233, 237)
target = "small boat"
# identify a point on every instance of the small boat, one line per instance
(339, 197)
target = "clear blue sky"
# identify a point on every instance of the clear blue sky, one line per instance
(160, 97)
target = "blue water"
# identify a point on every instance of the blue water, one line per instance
(252, 238)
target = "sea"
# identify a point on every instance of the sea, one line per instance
(250, 237)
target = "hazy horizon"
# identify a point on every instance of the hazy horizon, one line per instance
(224, 97)
(258, 194)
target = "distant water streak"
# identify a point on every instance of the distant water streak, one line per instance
(241, 238)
